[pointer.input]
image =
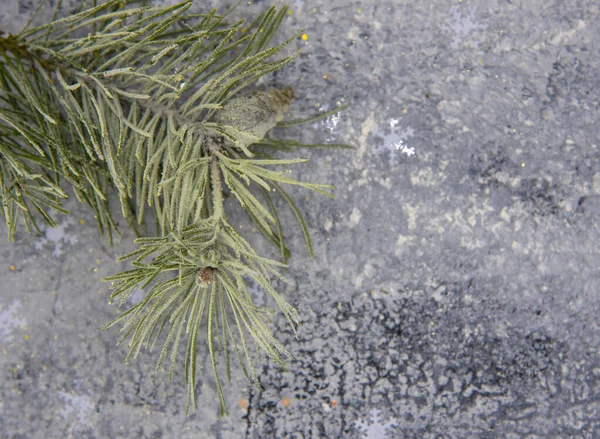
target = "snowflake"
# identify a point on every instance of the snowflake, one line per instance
(404, 149)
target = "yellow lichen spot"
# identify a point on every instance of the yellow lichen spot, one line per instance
(26, 337)
(290, 12)
(304, 37)
(244, 30)
(12, 268)
(286, 401)
(243, 403)
(307, 198)
(82, 222)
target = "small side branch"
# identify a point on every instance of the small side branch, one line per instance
(217, 188)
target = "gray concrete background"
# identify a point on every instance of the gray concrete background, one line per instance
(455, 289)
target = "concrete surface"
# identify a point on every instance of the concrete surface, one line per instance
(455, 289)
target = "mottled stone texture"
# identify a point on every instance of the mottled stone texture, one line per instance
(455, 289)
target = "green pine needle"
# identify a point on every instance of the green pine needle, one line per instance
(149, 104)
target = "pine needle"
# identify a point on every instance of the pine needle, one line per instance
(149, 103)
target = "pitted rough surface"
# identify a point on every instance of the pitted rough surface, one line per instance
(455, 290)
(427, 362)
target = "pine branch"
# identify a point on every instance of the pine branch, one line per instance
(208, 261)
(147, 103)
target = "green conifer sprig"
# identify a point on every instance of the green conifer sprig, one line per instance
(147, 103)
(209, 263)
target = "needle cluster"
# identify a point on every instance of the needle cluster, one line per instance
(149, 104)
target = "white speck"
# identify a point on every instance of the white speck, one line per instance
(329, 124)
(10, 320)
(404, 149)
(375, 428)
(80, 404)
(355, 217)
(328, 225)
(462, 24)
(440, 293)
(57, 236)
(395, 140)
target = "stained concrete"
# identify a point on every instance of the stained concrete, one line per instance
(455, 288)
